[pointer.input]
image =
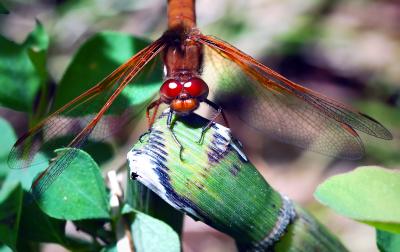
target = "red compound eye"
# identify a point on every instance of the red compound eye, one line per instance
(196, 87)
(171, 89)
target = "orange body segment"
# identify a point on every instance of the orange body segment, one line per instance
(184, 106)
(181, 14)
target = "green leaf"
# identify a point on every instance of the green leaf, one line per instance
(150, 234)
(38, 39)
(37, 44)
(96, 59)
(24, 176)
(8, 138)
(142, 199)
(367, 194)
(3, 9)
(33, 224)
(387, 242)
(22, 69)
(4, 248)
(10, 213)
(37, 226)
(78, 193)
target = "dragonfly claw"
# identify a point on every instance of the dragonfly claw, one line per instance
(201, 138)
(180, 153)
(143, 135)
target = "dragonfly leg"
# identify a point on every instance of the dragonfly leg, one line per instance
(155, 104)
(219, 112)
(170, 125)
(150, 119)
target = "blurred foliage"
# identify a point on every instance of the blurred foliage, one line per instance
(10, 214)
(26, 86)
(88, 67)
(387, 242)
(346, 49)
(23, 223)
(23, 68)
(12, 176)
(3, 9)
(81, 186)
(383, 152)
(367, 194)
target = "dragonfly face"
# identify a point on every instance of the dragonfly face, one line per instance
(183, 89)
(183, 96)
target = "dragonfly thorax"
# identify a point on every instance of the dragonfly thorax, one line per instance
(184, 96)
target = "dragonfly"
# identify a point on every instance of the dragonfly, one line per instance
(198, 69)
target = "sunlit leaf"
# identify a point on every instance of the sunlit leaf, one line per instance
(150, 234)
(367, 194)
(78, 193)
(4, 248)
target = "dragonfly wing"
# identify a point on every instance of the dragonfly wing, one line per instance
(64, 120)
(286, 110)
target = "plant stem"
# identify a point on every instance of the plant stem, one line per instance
(215, 182)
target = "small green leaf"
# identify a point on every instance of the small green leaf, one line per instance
(8, 138)
(37, 40)
(367, 194)
(3, 9)
(96, 59)
(10, 213)
(22, 68)
(150, 234)
(78, 193)
(387, 242)
(152, 205)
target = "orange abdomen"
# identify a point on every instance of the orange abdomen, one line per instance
(181, 14)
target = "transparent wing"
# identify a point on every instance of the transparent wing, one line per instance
(282, 109)
(99, 98)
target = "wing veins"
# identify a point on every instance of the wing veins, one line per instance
(357, 120)
(278, 102)
(62, 161)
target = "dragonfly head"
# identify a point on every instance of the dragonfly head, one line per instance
(184, 96)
